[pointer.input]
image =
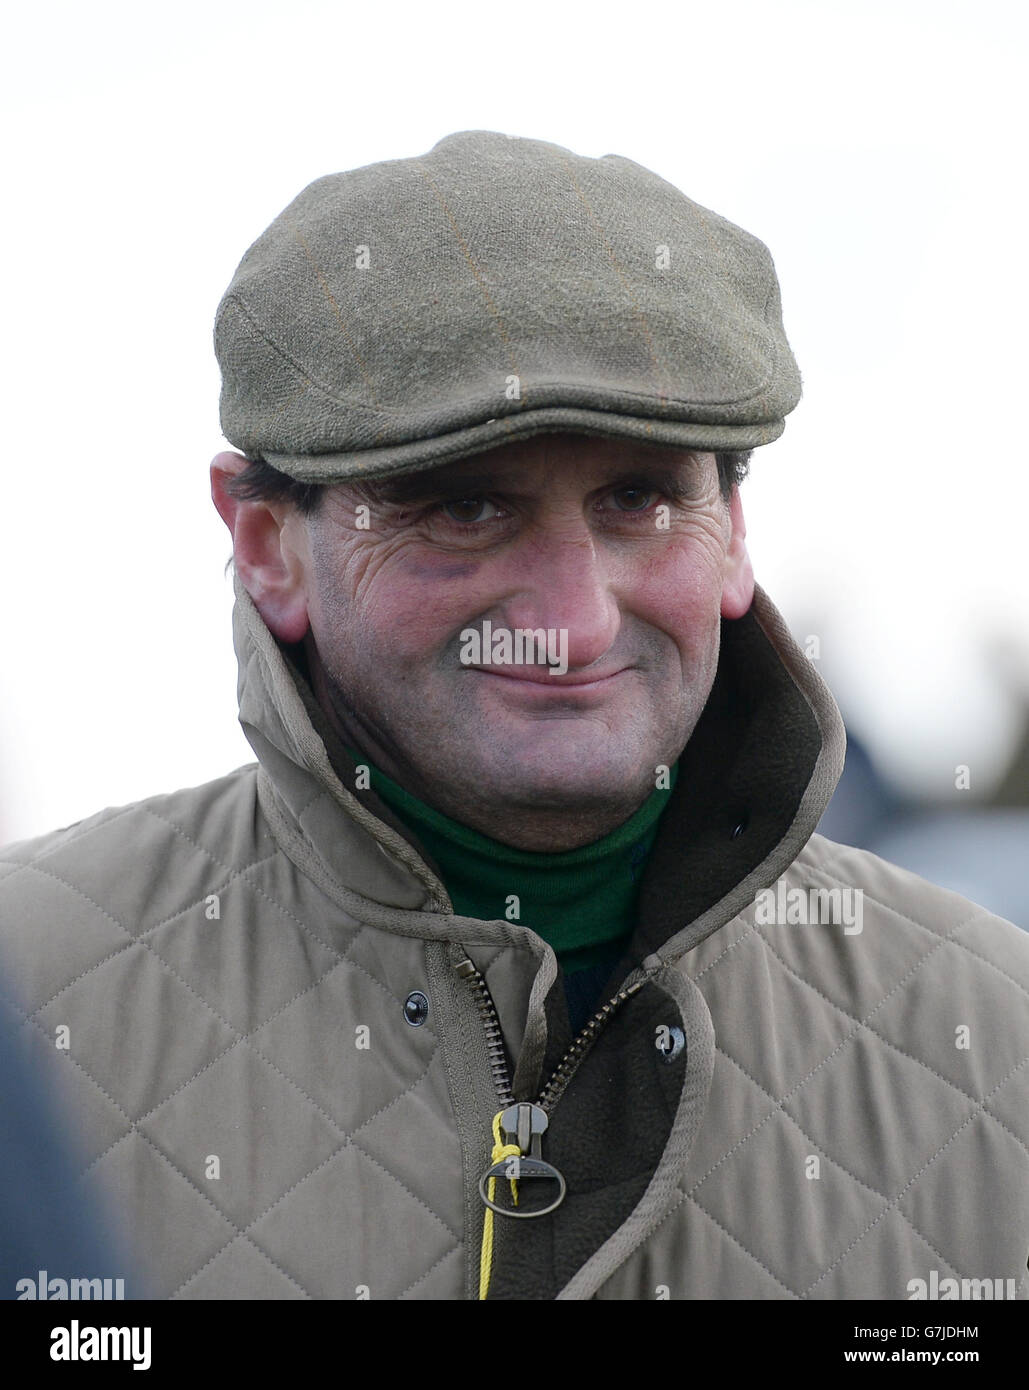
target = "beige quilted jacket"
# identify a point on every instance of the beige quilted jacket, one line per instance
(283, 1053)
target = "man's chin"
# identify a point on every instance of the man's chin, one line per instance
(564, 786)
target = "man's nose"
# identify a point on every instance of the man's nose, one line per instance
(565, 584)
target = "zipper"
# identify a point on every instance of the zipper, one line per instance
(524, 1123)
(468, 970)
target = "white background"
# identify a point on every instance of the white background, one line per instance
(879, 149)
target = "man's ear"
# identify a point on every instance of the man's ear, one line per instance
(268, 546)
(738, 588)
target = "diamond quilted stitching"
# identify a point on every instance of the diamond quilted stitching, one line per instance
(413, 1139)
(245, 963)
(776, 1028)
(244, 1270)
(1008, 1103)
(445, 1280)
(300, 905)
(691, 1256)
(765, 1197)
(932, 1008)
(971, 1244)
(854, 971)
(1001, 952)
(712, 1259)
(742, 1108)
(153, 1016)
(225, 828)
(45, 959)
(903, 1110)
(174, 870)
(353, 1225)
(171, 1215)
(398, 966)
(878, 1264)
(38, 849)
(92, 1122)
(352, 1074)
(264, 1134)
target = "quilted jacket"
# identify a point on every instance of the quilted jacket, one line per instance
(283, 1053)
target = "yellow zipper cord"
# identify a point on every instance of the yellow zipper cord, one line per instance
(500, 1151)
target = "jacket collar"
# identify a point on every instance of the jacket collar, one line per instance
(754, 780)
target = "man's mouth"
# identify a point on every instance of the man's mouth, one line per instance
(541, 677)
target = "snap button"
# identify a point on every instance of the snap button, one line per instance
(669, 1042)
(416, 1008)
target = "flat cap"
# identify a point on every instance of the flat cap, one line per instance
(418, 310)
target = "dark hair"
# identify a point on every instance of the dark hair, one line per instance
(260, 482)
(733, 467)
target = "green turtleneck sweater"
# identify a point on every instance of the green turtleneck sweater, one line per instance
(581, 901)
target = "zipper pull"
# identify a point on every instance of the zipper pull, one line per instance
(519, 1133)
(517, 1137)
(525, 1125)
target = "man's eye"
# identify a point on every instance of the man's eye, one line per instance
(633, 499)
(470, 509)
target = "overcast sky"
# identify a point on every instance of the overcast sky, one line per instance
(878, 149)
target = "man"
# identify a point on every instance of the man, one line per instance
(513, 968)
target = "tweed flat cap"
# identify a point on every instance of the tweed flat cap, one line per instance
(419, 310)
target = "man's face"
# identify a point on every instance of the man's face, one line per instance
(626, 552)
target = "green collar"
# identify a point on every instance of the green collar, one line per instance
(581, 901)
